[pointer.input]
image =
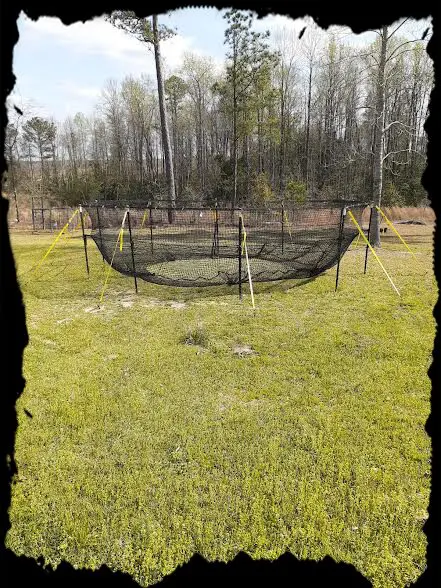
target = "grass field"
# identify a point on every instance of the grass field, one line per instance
(180, 421)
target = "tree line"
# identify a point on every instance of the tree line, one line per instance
(294, 119)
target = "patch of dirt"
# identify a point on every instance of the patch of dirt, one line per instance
(111, 357)
(201, 350)
(244, 350)
(178, 305)
(227, 401)
(103, 310)
(126, 303)
(65, 320)
(153, 302)
(37, 338)
(94, 309)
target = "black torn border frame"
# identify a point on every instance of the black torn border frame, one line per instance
(287, 570)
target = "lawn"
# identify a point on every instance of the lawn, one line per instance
(178, 421)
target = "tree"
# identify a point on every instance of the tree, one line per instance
(152, 34)
(248, 53)
(175, 91)
(199, 78)
(309, 46)
(12, 154)
(385, 55)
(39, 136)
(264, 123)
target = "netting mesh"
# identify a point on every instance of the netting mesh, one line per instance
(203, 246)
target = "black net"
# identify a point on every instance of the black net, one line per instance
(204, 246)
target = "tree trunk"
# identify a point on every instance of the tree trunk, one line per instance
(377, 167)
(164, 127)
(308, 126)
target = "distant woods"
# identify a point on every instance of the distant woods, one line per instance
(283, 118)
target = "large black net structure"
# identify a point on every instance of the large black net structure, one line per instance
(204, 246)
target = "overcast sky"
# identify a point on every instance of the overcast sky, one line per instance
(61, 70)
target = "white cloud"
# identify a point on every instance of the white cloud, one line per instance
(98, 37)
(91, 92)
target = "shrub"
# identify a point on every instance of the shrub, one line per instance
(296, 191)
(196, 335)
(262, 190)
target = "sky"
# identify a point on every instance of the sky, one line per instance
(61, 70)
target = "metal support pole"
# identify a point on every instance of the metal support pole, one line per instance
(283, 226)
(50, 220)
(340, 240)
(151, 227)
(131, 248)
(42, 212)
(99, 230)
(215, 246)
(240, 257)
(368, 238)
(33, 214)
(84, 239)
(217, 231)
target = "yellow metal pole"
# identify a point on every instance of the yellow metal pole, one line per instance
(395, 230)
(56, 240)
(372, 250)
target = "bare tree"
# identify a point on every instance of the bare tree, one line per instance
(152, 34)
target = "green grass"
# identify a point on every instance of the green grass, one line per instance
(143, 449)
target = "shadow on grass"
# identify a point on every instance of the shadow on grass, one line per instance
(54, 281)
(188, 294)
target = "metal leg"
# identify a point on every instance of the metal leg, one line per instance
(133, 255)
(240, 257)
(84, 239)
(368, 238)
(340, 241)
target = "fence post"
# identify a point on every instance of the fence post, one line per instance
(84, 239)
(131, 248)
(368, 238)
(240, 256)
(340, 240)
(283, 226)
(151, 226)
(33, 214)
(215, 245)
(99, 229)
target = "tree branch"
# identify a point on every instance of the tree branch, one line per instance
(400, 151)
(401, 45)
(396, 122)
(400, 25)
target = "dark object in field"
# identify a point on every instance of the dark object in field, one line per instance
(205, 246)
(410, 222)
(383, 230)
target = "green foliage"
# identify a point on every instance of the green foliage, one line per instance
(391, 195)
(407, 192)
(39, 134)
(413, 192)
(175, 90)
(262, 191)
(248, 69)
(137, 26)
(296, 191)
